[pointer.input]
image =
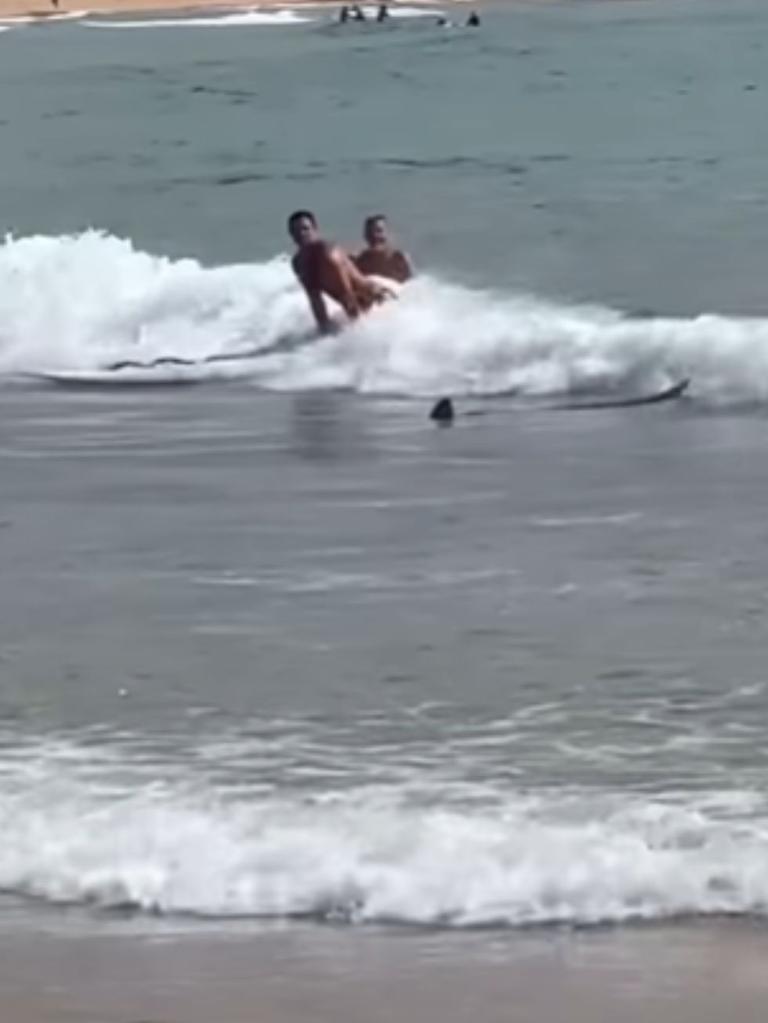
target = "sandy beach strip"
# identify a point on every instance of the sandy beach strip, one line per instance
(43, 10)
(37, 9)
(703, 972)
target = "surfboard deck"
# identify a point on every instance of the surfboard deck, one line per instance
(444, 412)
(657, 398)
(168, 371)
(106, 378)
(173, 370)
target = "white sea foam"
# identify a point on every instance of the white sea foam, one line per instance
(405, 11)
(241, 19)
(82, 302)
(255, 18)
(371, 853)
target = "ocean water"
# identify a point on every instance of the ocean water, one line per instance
(273, 646)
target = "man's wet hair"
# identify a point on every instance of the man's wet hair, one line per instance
(301, 215)
(373, 219)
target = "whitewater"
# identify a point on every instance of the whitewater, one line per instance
(87, 301)
(102, 826)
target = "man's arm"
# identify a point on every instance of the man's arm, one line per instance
(319, 310)
(404, 266)
(308, 279)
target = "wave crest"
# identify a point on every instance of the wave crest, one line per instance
(370, 855)
(86, 301)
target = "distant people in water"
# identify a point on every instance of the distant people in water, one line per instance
(355, 12)
(326, 271)
(380, 257)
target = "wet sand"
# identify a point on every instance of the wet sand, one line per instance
(314, 974)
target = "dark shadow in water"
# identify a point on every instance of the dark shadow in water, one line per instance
(328, 426)
(241, 179)
(55, 114)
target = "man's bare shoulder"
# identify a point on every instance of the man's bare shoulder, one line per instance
(308, 260)
(363, 260)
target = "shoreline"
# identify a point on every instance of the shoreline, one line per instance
(69, 9)
(699, 972)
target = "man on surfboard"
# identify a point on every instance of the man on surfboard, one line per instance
(380, 257)
(324, 269)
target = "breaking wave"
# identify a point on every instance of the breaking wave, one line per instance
(84, 302)
(77, 830)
